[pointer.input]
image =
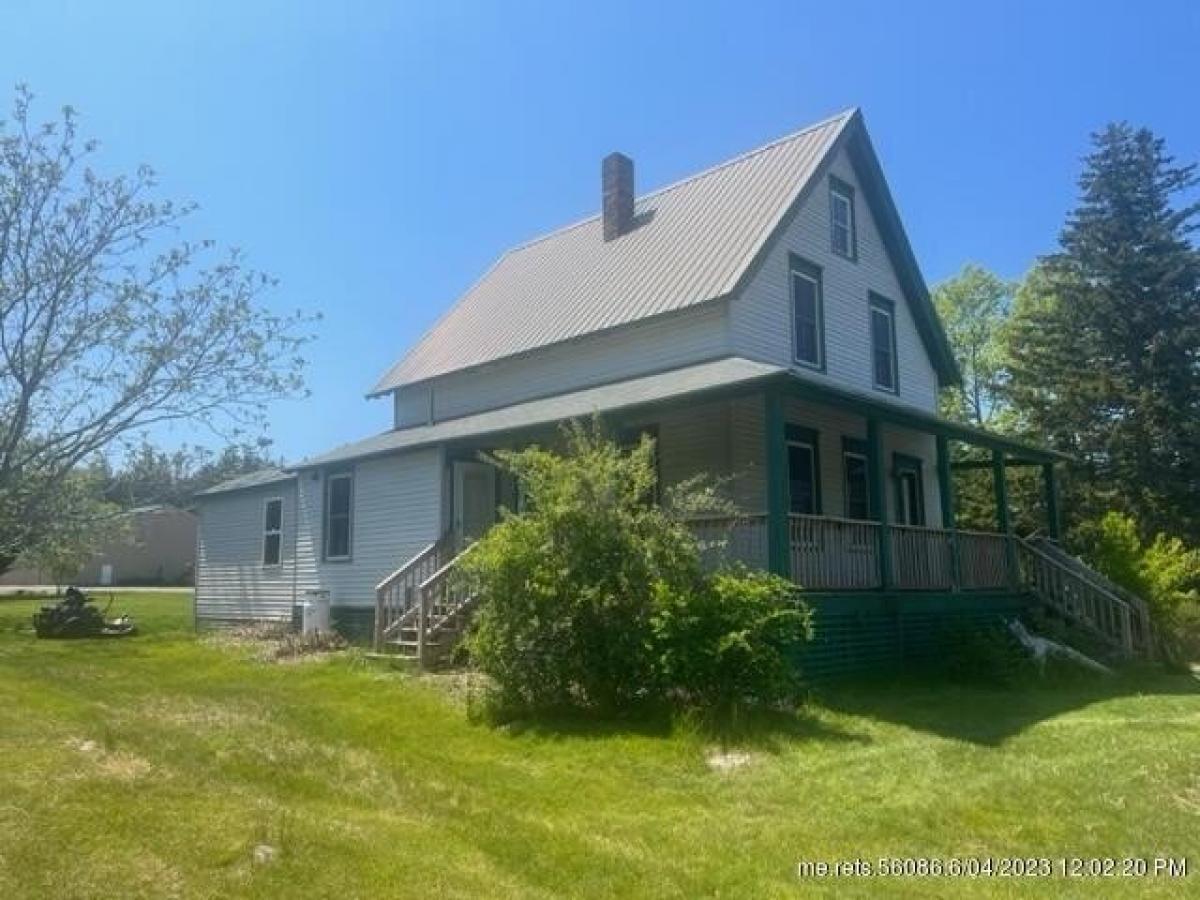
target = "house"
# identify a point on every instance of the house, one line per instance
(767, 321)
(156, 545)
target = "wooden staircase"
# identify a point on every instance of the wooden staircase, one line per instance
(1085, 598)
(422, 609)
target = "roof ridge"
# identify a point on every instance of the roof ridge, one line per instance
(703, 173)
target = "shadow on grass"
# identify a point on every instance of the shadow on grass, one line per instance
(989, 716)
(768, 731)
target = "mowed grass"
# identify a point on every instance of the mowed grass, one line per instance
(154, 766)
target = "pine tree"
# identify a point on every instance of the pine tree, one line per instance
(1105, 338)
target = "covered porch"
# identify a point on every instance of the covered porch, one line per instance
(834, 490)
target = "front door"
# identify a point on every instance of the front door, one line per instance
(474, 500)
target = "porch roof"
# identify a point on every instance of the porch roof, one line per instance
(720, 374)
(729, 375)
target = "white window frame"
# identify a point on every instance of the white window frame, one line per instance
(814, 474)
(803, 271)
(271, 532)
(883, 308)
(838, 192)
(326, 518)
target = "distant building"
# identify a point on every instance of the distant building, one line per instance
(157, 548)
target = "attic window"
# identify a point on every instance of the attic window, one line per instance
(843, 238)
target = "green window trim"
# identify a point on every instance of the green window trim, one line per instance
(800, 436)
(877, 303)
(841, 191)
(802, 270)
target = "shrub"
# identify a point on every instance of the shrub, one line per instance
(1165, 573)
(568, 587)
(732, 641)
(984, 654)
(595, 597)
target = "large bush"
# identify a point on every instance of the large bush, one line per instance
(1165, 572)
(733, 639)
(589, 596)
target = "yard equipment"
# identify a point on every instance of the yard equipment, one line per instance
(76, 616)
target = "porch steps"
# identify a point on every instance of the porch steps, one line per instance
(421, 609)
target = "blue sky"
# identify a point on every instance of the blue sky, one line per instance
(376, 157)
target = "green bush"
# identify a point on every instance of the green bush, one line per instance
(1165, 573)
(734, 640)
(988, 655)
(568, 587)
(594, 597)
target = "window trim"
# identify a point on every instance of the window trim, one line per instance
(857, 448)
(800, 267)
(268, 532)
(904, 464)
(844, 191)
(800, 436)
(330, 478)
(879, 303)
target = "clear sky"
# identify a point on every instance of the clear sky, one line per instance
(376, 157)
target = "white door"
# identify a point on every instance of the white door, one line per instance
(106, 574)
(474, 500)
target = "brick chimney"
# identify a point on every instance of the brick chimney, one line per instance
(617, 183)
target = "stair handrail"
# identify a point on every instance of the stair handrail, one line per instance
(1124, 609)
(390, 610)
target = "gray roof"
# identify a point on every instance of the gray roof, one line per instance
(605, 398)
(259, 478)
(693, 242)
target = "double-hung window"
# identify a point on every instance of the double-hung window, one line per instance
(272, 546)
(808, 314)
(803, 457)
(339, 514)
(910, 490)
(883, 343)
(842, 238)
(857, 479)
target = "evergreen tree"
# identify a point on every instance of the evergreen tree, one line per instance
(1104, 344)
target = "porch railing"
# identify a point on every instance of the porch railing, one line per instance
(828, 553)
(834, 553)
(922, 557)
(983, 560)
(397, 594)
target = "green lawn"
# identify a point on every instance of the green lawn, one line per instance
(154, 766)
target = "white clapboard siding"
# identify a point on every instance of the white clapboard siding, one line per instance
(397, 511)
(760, 317)
(652, 345)
(232, 584)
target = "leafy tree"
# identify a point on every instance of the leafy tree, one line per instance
(1105, 338)
(149, 475)
(84, 523)
(109, 324)
(973, 307)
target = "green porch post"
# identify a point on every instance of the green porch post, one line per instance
(946, 493)
(876, 482)
(1003, 522)
(778, 549)
(1050, 483)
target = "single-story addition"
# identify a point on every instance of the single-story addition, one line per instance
(767, 321)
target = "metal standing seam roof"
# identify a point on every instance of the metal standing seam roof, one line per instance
(691, 243)
(720, 373)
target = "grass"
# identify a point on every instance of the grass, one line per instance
(154, 766)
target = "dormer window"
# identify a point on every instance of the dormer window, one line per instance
(808, 314)
(843, 238)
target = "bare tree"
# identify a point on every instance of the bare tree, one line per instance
(110, 322)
